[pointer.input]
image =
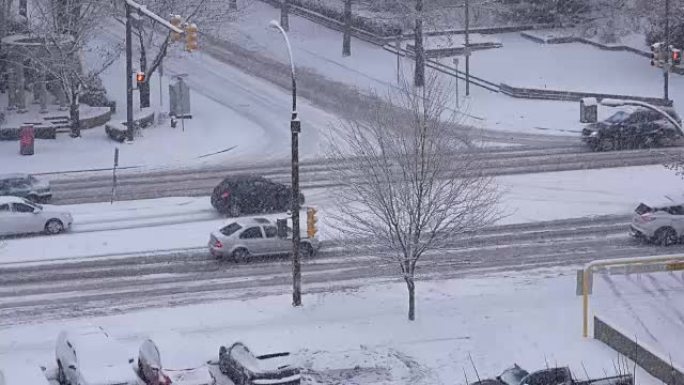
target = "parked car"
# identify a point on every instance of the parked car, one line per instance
(150, 371)
(25, 186)
(246, 237)
(659, 222)
(88, 356)
(22, 375)
(21, 216)
(243, 368)
(250, 194)
(551, 376)
(631, 129)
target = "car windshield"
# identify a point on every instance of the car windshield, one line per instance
(618, 117)
(643, 209)
(32, 204)
(513, 376)
(230, 229)
(394, 191)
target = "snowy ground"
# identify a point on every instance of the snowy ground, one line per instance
(520, 63)
(174, 223)
(495, 320)
(645, 307)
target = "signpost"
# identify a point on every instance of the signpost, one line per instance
(116, 164)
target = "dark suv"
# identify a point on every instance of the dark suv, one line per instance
(25, 186)
(249, 194)
(640, 128)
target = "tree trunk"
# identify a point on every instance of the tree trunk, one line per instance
(284, 11)
(411, 285)
(75, 115)
(419, 76)
(346, 38)
(232, 5)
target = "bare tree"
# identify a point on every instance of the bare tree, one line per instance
(154, 40)
(64, 31)
(410, 184)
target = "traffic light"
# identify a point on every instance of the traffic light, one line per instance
(311, 220)
(140, 77)
(191, 43)
(675, 56)
(176, 21)
(657, 53)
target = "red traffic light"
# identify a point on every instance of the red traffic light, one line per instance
(676, 56)
(140, 77)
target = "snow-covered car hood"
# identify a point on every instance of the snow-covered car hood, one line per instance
(196, 376)
(109, 375)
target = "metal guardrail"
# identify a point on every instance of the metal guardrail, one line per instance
(585, 278)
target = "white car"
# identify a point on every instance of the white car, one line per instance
(151, 372)
(21, 216)
(88, 356)
(22, 375)
(247, 237)
(659, 222)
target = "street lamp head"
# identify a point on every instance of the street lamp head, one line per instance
(612, 102)
(274, 24)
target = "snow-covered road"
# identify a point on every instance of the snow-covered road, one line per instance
(31, 291)
(315, 174)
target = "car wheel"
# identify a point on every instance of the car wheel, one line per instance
(305, 250)
(54, 226)
(666, 236)
(61, 377)
(240, 255)
(606, 144)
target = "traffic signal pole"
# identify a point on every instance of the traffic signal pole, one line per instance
(129, 75)
(666, 66)
(129, 5)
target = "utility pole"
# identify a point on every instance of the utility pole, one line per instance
(666, 66)
(284, 14)
(346, 37)
(456, 80)
(467, 47)
(129, 74)
(419, 75)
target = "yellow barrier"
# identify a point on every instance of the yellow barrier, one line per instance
(670, 262)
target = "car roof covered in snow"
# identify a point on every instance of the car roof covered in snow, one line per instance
(15, 175)
(95, 349)
(11, 199)
(664, 201)
(20, 374)
(245, 222)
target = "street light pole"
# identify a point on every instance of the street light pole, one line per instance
(295, 128)
(129, 74)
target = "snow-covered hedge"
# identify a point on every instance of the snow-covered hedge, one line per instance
(378, 27)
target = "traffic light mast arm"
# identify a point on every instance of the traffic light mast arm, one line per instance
(143, 9)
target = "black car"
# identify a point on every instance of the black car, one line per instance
(250, 194)
(640, 128)
(244, 368)
(25, 186)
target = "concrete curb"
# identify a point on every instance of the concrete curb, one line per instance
(647, 359)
